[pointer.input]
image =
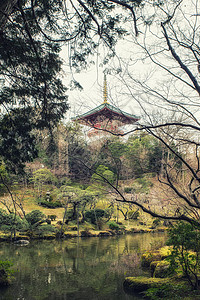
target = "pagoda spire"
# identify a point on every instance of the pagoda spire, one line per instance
(105, 95)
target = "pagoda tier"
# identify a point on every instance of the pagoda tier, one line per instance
(105, 114)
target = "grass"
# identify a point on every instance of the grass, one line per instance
(27, 196)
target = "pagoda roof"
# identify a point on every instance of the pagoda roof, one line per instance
(104, 112)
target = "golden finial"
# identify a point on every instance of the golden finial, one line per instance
(105, 90)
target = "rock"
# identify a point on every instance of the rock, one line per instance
(21, 242)
(104, 233)
(135, 230)
(140, 284)
(153, 265)
(167, 223)
(142, 223)
(162, 269)
(70, 235)
(148, 257)
(86, 233)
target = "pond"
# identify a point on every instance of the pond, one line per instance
(78, 269)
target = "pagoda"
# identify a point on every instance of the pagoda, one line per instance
(105, 118)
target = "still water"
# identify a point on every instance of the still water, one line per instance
(76, 269)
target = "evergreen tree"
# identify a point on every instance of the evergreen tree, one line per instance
(31, 36)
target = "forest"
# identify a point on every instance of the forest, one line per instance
(56, 183)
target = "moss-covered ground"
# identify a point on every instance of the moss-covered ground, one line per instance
(27, 197)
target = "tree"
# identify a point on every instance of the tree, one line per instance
(40, 178)
(10, 222)
(101, 173)
(32, 95)
(76, 198)
(78, 152)
(111, 155)
(144, 154)
(169, 43)
(177, 55)
(175, 51)
(17, 141)
(13, 203)
(184, 239)
(35, 218)
(31, 36)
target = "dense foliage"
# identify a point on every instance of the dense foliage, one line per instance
(32, 94)
(185, 241)
(32, 34)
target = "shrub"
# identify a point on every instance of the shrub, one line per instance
(10, 221)
(185, 241)
(133, 215)
(45, 229)
(94, 214)
(148, 257)
(47, 204)
(35, 216)
(128, 190)
(105, 173)
(162, 269)
(71, 215)
(52, 217)
(156, 222)
(113, 226)
(5, 272)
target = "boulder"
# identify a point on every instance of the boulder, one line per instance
(148, 257)
(162, 269)
(21, 242)
(104, 233)
(153, 265)
(141, 284)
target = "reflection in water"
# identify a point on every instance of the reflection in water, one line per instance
(87, 268)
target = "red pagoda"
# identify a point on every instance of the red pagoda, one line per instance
(105, 118)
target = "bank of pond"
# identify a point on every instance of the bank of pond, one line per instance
(104, 267)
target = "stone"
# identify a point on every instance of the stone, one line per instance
(148, 257)
(162, 269)
(104, 233)
(21, 242)
(141, 284)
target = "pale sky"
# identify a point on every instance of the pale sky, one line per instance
(131, 98)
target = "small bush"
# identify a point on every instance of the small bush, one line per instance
(5, 272)
(46, 229)
(94, 214)
(47, 204)
(35, 216)
(114, 226)
(185, 253)
(156, 222)
(133, 215)
(71, 215)
(128, 190)
(10, 221)
(52, 217)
